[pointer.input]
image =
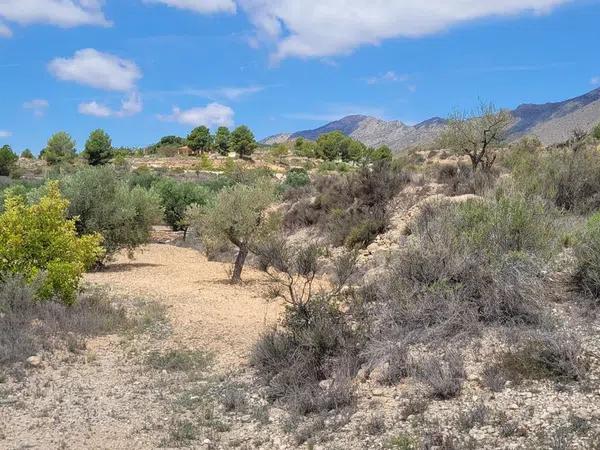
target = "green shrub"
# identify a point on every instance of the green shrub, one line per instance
(570, 179)
(27, 154)
(363, 234)
(102, 202)
(177, 197)
(587, 254)
(511, 223)
(39, 241)
(296, 178)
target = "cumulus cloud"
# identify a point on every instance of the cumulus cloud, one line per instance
(321, 28)
(96, 69)
(211, 115)
(37, 106)
(5, 134)
(200, 6)
(131, 105)
(62, 13)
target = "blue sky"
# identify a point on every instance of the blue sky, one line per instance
(142, 69)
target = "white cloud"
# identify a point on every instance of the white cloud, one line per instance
(5, 134)
(321, 28)
(389, 77)
(200, 6)
(226, 93)
(62, 13)
(95, 109)
(595, 80)
(38, 106)
(211, 115)
(96, 69)
(130, 105)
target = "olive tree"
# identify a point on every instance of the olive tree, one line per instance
(477, 134)
(102, 202)
(239, 216)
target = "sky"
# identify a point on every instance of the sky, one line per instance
(142, 69)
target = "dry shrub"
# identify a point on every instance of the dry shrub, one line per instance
(443, 376)
(461, 180)
(462, 270)
(28, 326)
(543, 355)
(351, 208)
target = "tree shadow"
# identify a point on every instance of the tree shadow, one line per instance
(127, 267)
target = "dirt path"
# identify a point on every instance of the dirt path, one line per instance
(206, 312)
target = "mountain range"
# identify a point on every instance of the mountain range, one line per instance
(550, 122)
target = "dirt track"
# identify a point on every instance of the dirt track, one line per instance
(206, 312)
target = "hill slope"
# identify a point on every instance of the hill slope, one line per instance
(550, 122)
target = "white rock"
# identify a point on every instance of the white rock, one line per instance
(34, 361)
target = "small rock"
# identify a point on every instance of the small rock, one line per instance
(377, 392)
(326, 384)
(34, 361)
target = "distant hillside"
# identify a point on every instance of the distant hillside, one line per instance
(550, 122)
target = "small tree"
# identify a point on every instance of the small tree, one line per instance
(27, 154)
(200, 139)
(177, 197)
(305, 148)
(238, 216)
(242, 141)
(98, 148)
(334, 145)
(380, 153)
(39, 241)
(477, 135)
(7, 160)
(222, 140)
(59, 149)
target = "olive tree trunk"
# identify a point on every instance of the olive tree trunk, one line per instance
(239, 265)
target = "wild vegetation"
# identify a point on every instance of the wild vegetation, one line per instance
(454, 283)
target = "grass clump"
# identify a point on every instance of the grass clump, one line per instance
(28, 326)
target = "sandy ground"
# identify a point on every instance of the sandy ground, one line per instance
(106, 397)
(206, 312)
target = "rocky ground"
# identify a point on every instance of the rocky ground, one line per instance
(184, 379)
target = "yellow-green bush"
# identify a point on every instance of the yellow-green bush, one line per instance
(38, 240)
